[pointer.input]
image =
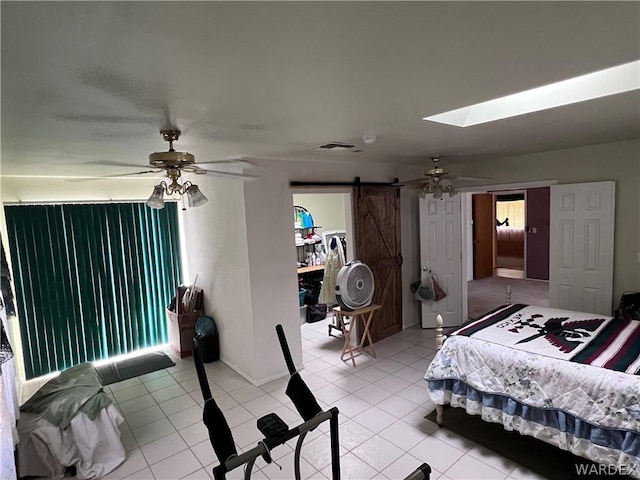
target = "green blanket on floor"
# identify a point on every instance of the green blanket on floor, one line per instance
(77, 389)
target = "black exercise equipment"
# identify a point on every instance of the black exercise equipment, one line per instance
(275, 430)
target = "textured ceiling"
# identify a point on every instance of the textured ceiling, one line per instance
(90, 83)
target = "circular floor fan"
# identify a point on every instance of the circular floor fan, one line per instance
(354, 286)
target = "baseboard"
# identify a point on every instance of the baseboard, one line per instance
(255, 382)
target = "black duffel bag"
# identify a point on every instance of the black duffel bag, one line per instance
(316, 312)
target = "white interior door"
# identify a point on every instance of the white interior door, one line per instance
(441, 252)
(581, 246)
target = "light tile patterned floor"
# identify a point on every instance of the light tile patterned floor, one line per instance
(382, 403)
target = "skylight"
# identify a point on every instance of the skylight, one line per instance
(611, 81)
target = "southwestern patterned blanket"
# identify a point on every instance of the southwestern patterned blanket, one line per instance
(591, 339)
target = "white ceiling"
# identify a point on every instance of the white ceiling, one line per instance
(91, 82)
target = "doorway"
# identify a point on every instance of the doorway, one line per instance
(507, 247)
(510, 234)
(328, 215)
(372, 225)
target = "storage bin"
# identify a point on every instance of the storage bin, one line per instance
(301, 295)
(181, 331)
(209, 347)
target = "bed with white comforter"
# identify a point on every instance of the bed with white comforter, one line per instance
(567, 378)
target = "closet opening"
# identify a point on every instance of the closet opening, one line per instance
(323, 231)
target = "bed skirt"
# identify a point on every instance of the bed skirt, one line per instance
(619, 449)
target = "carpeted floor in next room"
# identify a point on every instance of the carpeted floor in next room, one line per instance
(488, 293)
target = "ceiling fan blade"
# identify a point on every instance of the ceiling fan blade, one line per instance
(96, 118)
(202, 171)
(143, 172)
(471, 179)
(422, 181)
(117, 175)
(413, 183)
(118, 164)
(230, 161)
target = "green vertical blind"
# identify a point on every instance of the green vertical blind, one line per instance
(92, 281)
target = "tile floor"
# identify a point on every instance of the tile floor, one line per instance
(382, 403)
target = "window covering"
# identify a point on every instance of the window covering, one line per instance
(92, 281)
(513, 210)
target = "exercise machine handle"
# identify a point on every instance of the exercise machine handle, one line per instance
(213, 418)
(285, 350)
(202, 375)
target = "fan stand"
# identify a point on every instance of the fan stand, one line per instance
(364, 315)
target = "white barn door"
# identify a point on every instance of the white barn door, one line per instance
(581, 247)
(441, 252)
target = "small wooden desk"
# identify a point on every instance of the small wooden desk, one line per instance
(365, 315)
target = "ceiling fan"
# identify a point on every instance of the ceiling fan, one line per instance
(174, 163)
(437, 180)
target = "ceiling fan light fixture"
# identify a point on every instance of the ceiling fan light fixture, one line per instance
(195, 198)
(369, 137)
(451, 190)
(156, 200)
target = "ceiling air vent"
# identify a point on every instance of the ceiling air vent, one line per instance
(334, 147)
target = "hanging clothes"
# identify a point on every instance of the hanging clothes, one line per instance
(334, 262)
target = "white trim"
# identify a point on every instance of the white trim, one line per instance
(80, 202)
(507, 186)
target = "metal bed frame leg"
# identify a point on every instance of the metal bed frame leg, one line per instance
(439, 342)
(439, 413)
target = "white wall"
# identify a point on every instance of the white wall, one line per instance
(215, 237)
(327, 210)
(272, 260)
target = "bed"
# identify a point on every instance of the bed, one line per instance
(571, 379)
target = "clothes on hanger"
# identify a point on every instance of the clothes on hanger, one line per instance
(334, 262)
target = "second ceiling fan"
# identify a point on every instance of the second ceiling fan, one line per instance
(437, 180)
